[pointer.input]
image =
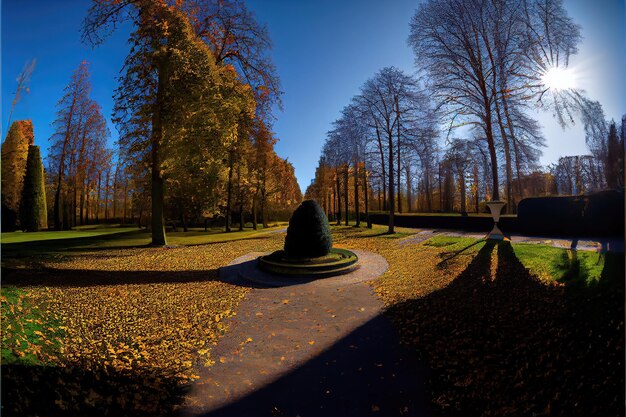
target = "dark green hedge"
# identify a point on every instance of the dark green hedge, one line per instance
(598, 214)
(308, 234)
(33, 201)
(9, 219)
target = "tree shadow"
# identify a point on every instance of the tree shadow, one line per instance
(366, 373)
(500, 342)
(50, 277)
(89, 391)
(44, 248)
(66, 243)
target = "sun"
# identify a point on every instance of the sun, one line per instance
(559, 78)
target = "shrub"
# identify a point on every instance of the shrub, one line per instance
(599, 214)
(308, 234)
(9, 218)
(33, 202)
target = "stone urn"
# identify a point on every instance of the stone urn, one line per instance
(495, 207)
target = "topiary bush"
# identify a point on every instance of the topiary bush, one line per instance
(9, 218)
(33, 202)
(308, 234)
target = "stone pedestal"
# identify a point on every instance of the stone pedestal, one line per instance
(496, 208)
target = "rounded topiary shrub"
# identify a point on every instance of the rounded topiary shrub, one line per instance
(308, 234)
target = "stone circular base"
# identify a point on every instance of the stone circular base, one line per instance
(336, 262)
(245, 271)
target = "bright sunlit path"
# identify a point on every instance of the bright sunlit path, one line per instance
(559, 78)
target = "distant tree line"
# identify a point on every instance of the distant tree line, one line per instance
(462, 132)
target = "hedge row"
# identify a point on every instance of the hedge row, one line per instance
(594, 215)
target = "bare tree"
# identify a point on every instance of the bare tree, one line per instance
(22, 86)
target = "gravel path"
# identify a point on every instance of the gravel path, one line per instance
(316, 349)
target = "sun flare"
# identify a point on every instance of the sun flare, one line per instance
(559, 78)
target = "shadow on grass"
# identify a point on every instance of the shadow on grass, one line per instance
(88, 278)
(46, 248)
(501, 343)
(78, 391)
(25, 249)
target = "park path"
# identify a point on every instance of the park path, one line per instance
(321, 348)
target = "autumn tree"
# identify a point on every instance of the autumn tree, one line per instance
(181, 92)
(76, 148)
(14, 156)
(237, 39)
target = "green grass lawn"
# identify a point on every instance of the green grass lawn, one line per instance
(558, 264)
(91, 231)
(29, 333)
(377, 230)
(547, 262)
(21, 244)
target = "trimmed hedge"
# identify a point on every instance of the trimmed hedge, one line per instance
(599, 214)
(9, 218)
(594, 215)
(308, 234)
(33, 202)
(467, 223)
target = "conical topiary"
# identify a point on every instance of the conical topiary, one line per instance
(33, 202)
(308, 234)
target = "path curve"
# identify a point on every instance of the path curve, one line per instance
(320, 348)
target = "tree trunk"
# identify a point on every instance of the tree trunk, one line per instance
(254, 209)
(65, 205)
(74, 204)
(488, 129)
(440, 189)
(356, 193)
(229, 191)
(408, 188)
(428, 189)
(81, 209)
(507, 160)
(338, 198)
(462, 188)
(382, 164)
(399, 170)
(183, 219)
(241, 217)
(366, 195)
(87, 206)
(391, 229)
(98, 196)
(158, 182)
(106, 196)
(115, 180)
(125, 197)
(345, 192)
(263, 210)
(476, 202)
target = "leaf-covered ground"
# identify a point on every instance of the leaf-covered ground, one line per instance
(505, 340)
(106, 331)
(114, 332)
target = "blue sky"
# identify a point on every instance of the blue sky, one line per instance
(324, 50)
